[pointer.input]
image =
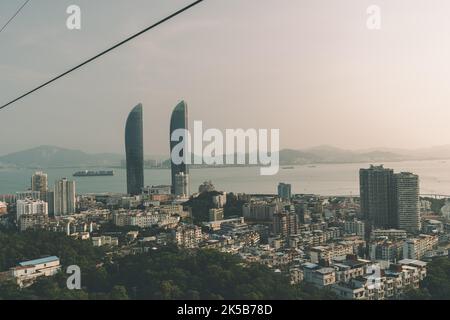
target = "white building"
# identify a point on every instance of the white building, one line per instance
(187, 236)
(105, 241)
(28, 271)
(415, 248)
(145, 219)
(31, 207)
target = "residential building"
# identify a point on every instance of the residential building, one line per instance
(262, 211)
(389, 233)
(317, 275)
(187, 236)
(31, 207)
(406, 193)
(64, 197)
(386, 250)
(355, 227)
(105, 241)
(216, 214)
(26, 273)
(324, 254)
(32, 221)
(39, 182)
(415, 248)
(377, 197)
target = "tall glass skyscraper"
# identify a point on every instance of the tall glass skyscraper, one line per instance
(134, 149)
(179, 120)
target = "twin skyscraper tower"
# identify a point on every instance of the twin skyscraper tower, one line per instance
(134, 149)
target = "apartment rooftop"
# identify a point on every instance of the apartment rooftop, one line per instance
(39, 261)
(413, 262)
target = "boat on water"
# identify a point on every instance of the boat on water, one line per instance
(90, 173)
(290, 167)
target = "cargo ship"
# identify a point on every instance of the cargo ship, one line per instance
(89, 173)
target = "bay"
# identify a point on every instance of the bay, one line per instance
(323, 179)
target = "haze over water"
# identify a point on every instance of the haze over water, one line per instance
(323, 179)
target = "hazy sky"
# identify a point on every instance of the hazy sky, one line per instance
(308, 67)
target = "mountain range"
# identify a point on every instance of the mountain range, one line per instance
(52, 157)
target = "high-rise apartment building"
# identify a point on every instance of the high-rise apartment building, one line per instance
(377, 196)
(406, 191)
(39, 182)
(390, 200)
(64, 197)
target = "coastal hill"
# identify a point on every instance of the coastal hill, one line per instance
(52, 157)
(56, 157)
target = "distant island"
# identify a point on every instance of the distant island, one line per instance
(57, 157)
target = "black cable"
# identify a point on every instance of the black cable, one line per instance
(104, 52)
(15, 14)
